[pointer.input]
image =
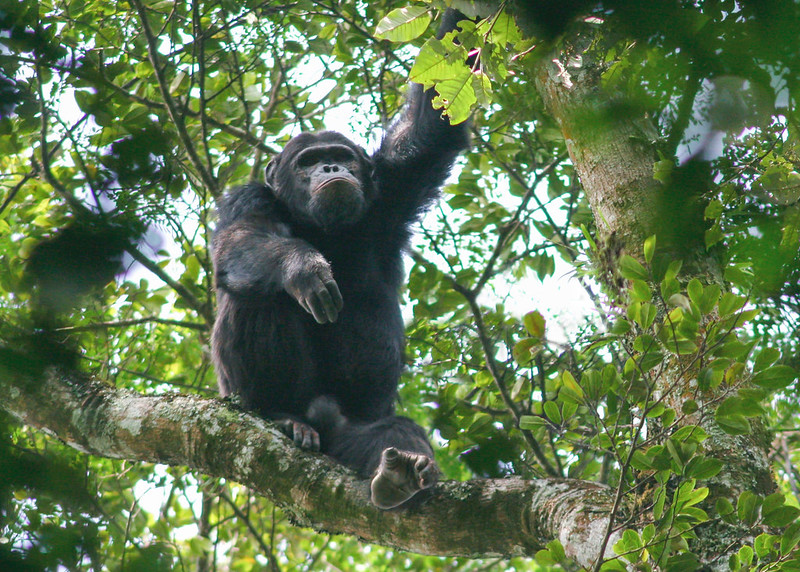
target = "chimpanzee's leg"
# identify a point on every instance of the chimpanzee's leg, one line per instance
(394, 451)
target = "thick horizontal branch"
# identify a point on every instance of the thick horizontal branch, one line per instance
(478, 518)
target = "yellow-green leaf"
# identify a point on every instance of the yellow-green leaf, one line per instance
(403, 24)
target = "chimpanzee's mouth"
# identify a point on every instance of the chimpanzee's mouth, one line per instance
(337, 184)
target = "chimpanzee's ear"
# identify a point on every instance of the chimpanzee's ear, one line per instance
(269, 172)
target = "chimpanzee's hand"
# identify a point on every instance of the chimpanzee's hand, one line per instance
(310, 281)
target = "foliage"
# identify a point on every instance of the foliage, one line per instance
(120, 122)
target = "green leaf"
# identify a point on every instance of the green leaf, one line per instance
(662, 170)
(632, 269)
(621, 327)
(671, 288)
(725, 509)
(328, 32)
(740, 406)
(656, 410)
(526, 349)
(588, 237)
(790, 538)
(711, 376)
(569, 382)
(730, 303)
(658, 505)
(648, 533)
(775, 377)
(766, 358)
(675, 453)
(641, 461)
(776, 512)
(713, 209)
(747, 507)
(732, 349)
(628, 542)
(702, 468)
(782, 516)
(688, 495)
(438, 61)
(531, 422)
(682, 562)
(734, 424)
(544, 558)
(709, 299)
(692, 514)
(644, 343)
(746, 555)
(613, 565)
(504, 30)
(556, 550)
(647, 315)
(773, 502)
(535, 324)
(690, 433)
(482, 87)
(641, 291)
(457, 96)
(649, 248)
(552, 411)
(403, 24)
(763, 544)
(678, 302)
(681, 347)
(713, 235)
(648, 361)
(673, 269)
(695, 291)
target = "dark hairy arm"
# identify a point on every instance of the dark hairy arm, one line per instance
(254, 253)
(420, 147)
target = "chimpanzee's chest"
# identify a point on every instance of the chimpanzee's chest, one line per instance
(367, 339)
(360, 357)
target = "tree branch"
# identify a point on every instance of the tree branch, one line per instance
(203, 309)
(211, 437)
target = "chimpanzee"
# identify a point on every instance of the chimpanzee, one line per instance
(308, 267)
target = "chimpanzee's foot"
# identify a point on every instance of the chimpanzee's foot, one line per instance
(400, 476)
(304, 436)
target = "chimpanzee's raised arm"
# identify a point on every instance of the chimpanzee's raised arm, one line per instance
(419, 148)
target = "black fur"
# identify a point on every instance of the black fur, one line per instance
(359, 445)
(308, 267)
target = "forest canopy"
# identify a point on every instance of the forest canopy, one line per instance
(601, 312)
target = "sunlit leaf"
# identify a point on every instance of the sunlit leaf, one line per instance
(403, 24)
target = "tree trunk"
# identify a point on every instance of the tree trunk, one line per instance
(615, 156)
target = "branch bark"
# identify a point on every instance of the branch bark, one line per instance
(216, 439)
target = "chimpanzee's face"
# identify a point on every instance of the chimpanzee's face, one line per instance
(324, 179)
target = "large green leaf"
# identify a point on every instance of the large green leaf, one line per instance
(403, 24)
(438, 61)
